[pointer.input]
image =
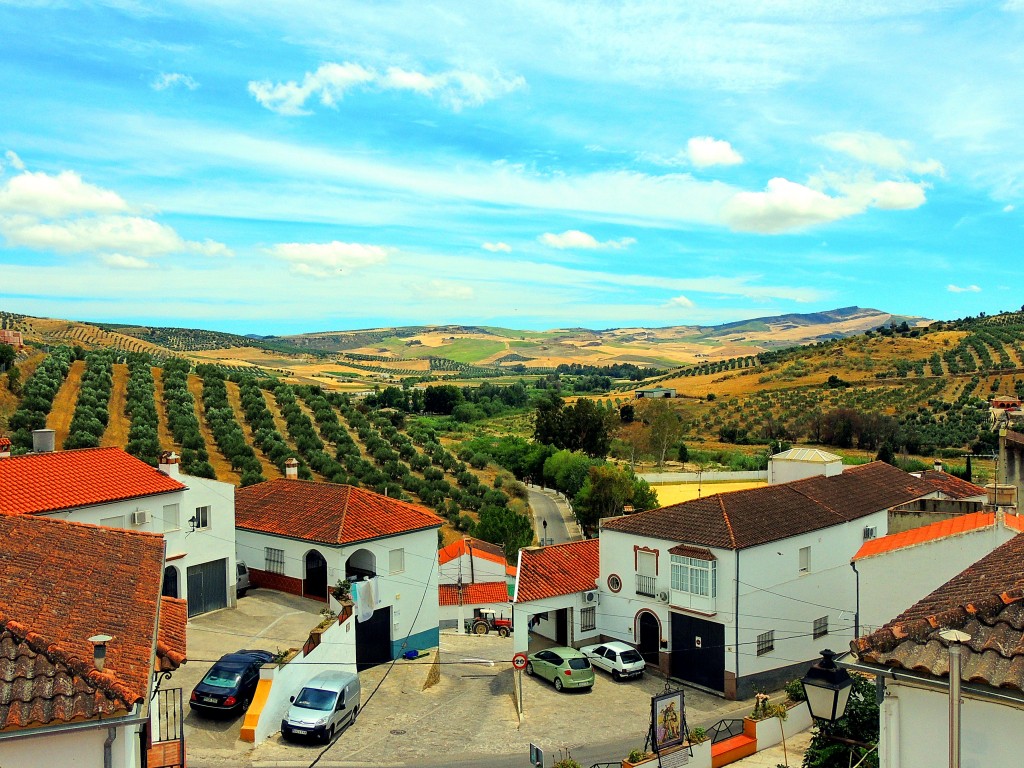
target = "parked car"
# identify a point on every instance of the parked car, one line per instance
(326, 704)
(242, 583)
(228, 688)
(621, 660)
(564, 667)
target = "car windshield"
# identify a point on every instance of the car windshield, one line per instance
(223, 677)
(314, 698)
(579, 663)
(628, 657)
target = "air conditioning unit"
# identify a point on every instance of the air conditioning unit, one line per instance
(663, 596)
(870, 532)
(592, 598)
(140, 517)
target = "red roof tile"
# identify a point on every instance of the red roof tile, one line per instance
(560, 569)
(952, 486)
(481, 549)
(940, 530)
(48, 482)
(60, 584)
(986, 601)
(473, 594)
(742, 519)
(326, 512)
(170, 644)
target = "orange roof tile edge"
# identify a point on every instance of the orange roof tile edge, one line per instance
(940, 530)
(459, 548)
(473, 594)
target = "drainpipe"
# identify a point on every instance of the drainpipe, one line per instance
(856, 613)
(108, 753)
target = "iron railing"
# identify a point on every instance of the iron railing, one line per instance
(645, 585)
(725, 729)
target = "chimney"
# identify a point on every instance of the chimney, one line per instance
(170, 464)
(5, 447)
(937, 465)
(291, 468)
(43, 440)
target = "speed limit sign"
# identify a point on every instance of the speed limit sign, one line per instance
(519, 661)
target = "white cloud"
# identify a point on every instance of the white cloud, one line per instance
(880, 151)
(681, 301)
(783, 206)
(211, 248)
(963, 289)
(41, 194)
(896, 195)
(14, 161)
(167, 80)
(574, 238)
(133, 234)
(497, 247)
(445, 290)
(705, 151)
(120, 261)
(323, 259)
(1008, 208)
(455, 89)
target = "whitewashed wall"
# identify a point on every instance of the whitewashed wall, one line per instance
(891, 582)
(915, 730)
(71, 749)
(480, 570)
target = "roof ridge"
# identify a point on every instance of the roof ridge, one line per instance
(728, 522)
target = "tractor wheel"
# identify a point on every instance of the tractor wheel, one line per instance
(504, 631)
(481, 628)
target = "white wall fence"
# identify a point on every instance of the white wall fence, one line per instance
(666, 478)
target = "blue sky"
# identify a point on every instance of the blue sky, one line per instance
(277, 168)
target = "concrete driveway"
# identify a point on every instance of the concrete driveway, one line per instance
(264, 620)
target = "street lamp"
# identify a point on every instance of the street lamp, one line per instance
(827, 688)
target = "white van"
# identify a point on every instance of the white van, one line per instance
(325, 706)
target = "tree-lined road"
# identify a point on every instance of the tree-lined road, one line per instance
(548, 507)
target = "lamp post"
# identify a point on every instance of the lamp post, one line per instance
(827, 688)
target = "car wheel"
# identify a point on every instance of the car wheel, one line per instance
(558, 684)
(529, 668)
(616, 676)
(330, 734)
(241, 592)
(245, 704)
(503, 631)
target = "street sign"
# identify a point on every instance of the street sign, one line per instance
(519, 661)
(536, 756)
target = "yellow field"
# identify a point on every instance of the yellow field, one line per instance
(675, 493)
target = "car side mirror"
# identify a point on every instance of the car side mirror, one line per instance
(291, 699)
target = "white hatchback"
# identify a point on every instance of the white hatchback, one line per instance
(620, 659)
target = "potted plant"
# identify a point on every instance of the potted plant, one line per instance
(342, 590)
(635, 757)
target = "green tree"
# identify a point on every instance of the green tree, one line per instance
(7, 355)
(14, 379)
(605, 492)
(666, 426)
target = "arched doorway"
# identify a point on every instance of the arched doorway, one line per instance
(315, 583)
(361, 564)
(648, 633)
(170, 582)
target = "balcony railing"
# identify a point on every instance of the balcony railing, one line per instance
(645, 585)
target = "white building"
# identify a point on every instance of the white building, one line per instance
(736, 591)
(473, 574)
(63, 584)
(107, 486)
(304, 537)
(801, 463)
(899, 569)
(986, 602)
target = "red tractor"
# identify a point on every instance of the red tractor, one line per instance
(485, 620)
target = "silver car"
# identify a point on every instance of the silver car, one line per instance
(619, 659)
(325, 705)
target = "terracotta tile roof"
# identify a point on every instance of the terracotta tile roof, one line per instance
(5, 442)
(481, 549)
(48, 482)
(170, 644)
(986, 601)
(951, 486)
(473, 594)
(742, 519)
(326, 512)
(940, 530)
(53, 598)
(698, 553)
(560, 569)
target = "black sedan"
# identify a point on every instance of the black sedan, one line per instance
(228, 688)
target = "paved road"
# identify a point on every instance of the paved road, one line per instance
(547, 509)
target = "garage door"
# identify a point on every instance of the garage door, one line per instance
(207, 587)
(373, 639)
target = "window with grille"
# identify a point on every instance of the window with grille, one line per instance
(588, 619)
(766, 642)
(274, 560)
(821, 626)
